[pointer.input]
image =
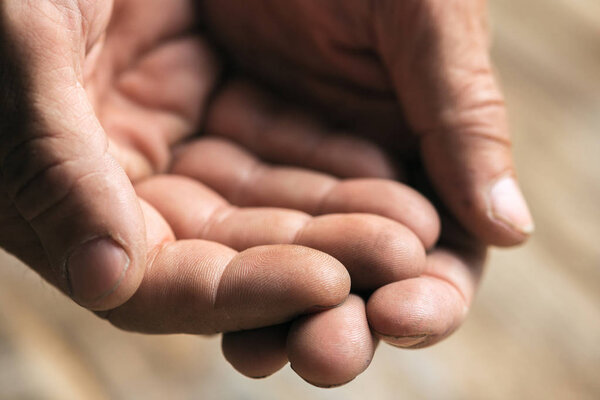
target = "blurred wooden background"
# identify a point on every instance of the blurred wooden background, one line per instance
(534, 332)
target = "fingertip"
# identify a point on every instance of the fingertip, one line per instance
(388, 199)
(333, 286)
(374, 250)
(256, 353)
(415, 313)
(330, 281)
(272, 284)
(331, 348)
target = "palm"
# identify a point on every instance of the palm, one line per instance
(356, 59)
(147, 87)
(346, 222)
(412, 76)
(324, 50)
(147, 79)
(289, 137)
(367, 69)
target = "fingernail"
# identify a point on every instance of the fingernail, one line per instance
(96, 269)
(328, 386)
(405, 342)
(508, 205)
(259, 377)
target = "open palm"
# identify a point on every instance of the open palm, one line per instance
(135, 74)
(152, 102)
(346, 206)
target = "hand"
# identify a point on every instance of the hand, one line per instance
(78, 75)
(414, 75)
(75, 77)
(377, 228)
(376, 250)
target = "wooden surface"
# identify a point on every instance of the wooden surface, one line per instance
(534, 332)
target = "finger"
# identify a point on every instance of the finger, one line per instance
(250, 117)
(375, 250)
(54, 162)
(201, 287)
(257, 353)
(244, 181)
(444, 79)
(422, 311)
(327, 349)
(333, 347)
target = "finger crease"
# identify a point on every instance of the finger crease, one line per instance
(453, 285)
(251, 176)
(217, 216)
(472, 132)
(325, 196)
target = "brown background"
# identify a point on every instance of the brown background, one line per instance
(534, 332)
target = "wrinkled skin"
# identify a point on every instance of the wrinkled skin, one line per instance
(99, 94)
(405, 312)
(413, 75)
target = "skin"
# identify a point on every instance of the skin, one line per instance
(93, 116)
(412, 75)
(91, 120)
(406, 312)
(87, 116)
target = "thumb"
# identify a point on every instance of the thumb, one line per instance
(444, 80)
(55, 167)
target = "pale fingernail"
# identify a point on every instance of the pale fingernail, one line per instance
(329, 385)
(405, 342)
(96, 269)
(337, 385)
(507, 204)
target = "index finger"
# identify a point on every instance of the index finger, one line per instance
(202, 287)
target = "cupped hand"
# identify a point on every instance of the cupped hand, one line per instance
(76, 76)
(413, 75)
(339, 200)
(93, 96)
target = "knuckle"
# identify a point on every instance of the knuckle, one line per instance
(43, 165)
(44, 184)
(27, 168)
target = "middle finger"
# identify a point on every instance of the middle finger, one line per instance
(245, 181)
